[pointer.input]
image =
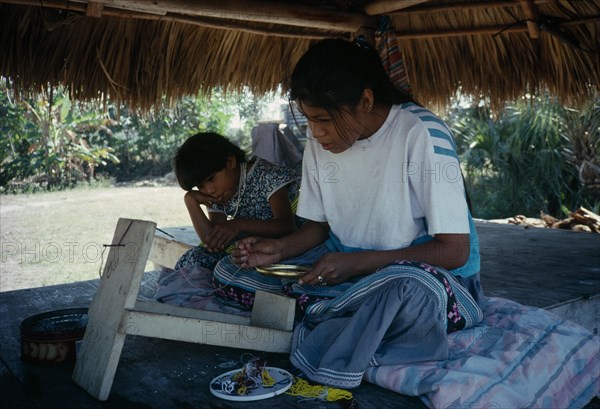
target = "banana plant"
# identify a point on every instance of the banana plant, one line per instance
(66, 147)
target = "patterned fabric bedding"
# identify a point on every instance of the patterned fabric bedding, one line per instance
(518, 357)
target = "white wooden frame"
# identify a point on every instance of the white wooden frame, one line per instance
(115, 312)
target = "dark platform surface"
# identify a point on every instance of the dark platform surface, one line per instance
(537, 267)
(152, 373)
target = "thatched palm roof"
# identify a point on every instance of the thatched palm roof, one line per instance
(137, 51)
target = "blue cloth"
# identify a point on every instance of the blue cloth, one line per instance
(399, 314)
(473, 264)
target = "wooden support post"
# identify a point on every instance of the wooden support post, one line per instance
(531, 16)
(119, 286)
(94, 9)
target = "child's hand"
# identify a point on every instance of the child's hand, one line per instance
(257, 251)
(196, 198)
(220, 236)
(332, 268)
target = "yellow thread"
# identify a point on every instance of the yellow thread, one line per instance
(242, 390)
(267, 380)
(239, 376)
(300, 387)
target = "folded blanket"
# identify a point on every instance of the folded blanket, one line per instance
(517, 357)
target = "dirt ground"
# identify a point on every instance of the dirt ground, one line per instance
(56, 238)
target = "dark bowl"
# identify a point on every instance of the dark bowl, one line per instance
(53, 337)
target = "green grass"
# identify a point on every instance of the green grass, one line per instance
(57, 237)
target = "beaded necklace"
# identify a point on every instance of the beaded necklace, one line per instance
(240, 191)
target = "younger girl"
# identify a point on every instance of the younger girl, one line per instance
(243, 197)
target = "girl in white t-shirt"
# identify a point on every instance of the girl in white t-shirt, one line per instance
(392, 248)
(381, 180)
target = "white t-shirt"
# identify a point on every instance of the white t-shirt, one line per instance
(402, 183)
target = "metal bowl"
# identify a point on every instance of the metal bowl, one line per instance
(283, 270)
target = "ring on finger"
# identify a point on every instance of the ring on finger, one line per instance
(321, 281)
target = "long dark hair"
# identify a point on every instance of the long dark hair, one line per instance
(333, 73)
(201, 155)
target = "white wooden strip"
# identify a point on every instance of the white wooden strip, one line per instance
(173, 310)
(166, 249)
(206, 332)
(100, 351)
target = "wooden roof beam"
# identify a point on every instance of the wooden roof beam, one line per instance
(220, 24)
(271, 30)
(461, 5)
(260, 11)
(388, 6)
(459, 32)
(519, 28)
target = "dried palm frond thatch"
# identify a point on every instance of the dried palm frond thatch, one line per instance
(138, 56)
(137, 61)
(502, 61)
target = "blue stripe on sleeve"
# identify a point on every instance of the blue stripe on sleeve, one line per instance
(436, 133)
(431, 118)
(443, 151)
(420, 111)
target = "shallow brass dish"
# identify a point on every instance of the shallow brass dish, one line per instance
(282, 270)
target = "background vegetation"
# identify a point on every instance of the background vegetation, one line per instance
(52, 143)
(533, 155)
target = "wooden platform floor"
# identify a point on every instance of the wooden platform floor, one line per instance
(558, 270)
(540, 267)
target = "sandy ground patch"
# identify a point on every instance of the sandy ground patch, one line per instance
(55, 238)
